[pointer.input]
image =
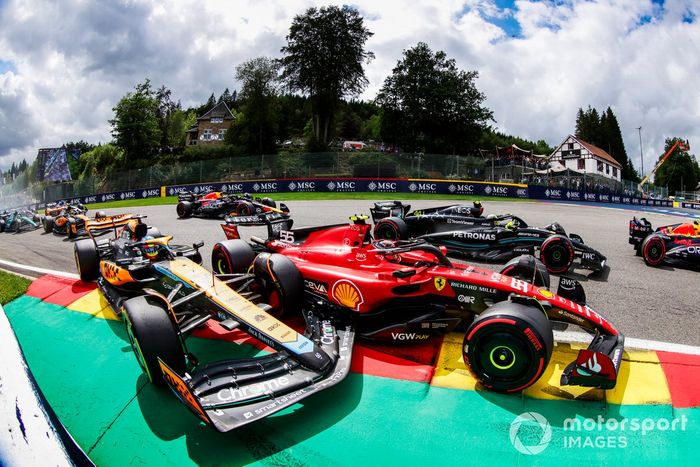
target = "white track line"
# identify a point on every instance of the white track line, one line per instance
(568, 336)
(39, 270)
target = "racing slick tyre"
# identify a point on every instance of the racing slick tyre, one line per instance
(509, 346)
(48, 224)
(245, 208)
(2, 225)
(269, 202)
(154, 232)
(528, 269)
(283, 284)
(70, 227)
(87, 259)
(557, 254)
(391, 228)
(654, 250)
(184, 209)
(232, 257)
(152, 335)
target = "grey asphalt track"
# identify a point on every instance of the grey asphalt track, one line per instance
(648, 303)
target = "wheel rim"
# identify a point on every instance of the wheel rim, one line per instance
(654, 252)
(221, 265)
(501, 355)
(386, 232)
(556, 256)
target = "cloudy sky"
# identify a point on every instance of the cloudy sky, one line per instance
(64, 64)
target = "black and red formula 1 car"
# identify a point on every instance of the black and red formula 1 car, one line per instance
(217, 204)
(164, 295)
(407, 291)
(466, 233)
(676, 244)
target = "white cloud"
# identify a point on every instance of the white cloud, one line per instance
(74, 60)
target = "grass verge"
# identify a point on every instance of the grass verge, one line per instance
(12, 286)
(309, 197)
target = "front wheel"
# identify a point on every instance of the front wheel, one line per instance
(87, 259)
(557, 254)
(152, 336)
(654, 250)
(528, 269)
(282, 282)
(509, 346)
(48, 224)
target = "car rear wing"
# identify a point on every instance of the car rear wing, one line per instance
(384, 209)
(96, 227)
(274, 221)
(639, 230)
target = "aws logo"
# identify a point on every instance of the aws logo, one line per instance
(347, 294)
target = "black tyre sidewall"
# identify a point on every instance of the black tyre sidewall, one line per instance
(525, 324)
(87, 259)
(561, 244)
(390, 228)
(184, 209)
(232, 257)
(650, 243)
(153, 331)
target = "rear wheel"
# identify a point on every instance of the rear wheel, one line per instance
(557, 254)
(391, 228)
(152, 336)
(245, 208)
(48, 224)
(282, 282)
(71, 228)
(232, 257)
(2, 225)
(509, 346)
(184, 209)
(654, 250)
(528, 269)
(87, 259)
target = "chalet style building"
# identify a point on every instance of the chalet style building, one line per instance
(580, 156)
(211, 127)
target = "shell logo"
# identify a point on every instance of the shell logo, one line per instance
(347, 294)
(545, 293)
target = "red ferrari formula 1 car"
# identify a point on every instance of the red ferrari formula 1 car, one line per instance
(677, 244)
(406, 291)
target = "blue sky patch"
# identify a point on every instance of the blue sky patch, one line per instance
(7, 66)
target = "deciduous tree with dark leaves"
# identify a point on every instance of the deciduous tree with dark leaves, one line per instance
(430, 105)
(324, 59)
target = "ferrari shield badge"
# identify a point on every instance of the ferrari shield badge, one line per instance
(440, 283)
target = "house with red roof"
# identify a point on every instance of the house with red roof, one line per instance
(581, 156)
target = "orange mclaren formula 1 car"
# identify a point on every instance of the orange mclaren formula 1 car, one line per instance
(74, 222)
(164, 294)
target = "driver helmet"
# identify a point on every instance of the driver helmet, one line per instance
(696, 224)
(510, 225)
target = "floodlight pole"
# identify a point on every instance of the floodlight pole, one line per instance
(641, 154)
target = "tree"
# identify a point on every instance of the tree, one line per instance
(101, 161)
(166, 111)
(135, 125)
(430, 105)
(255, 128)
(324, 58)
(588, 126)
(680, 172)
